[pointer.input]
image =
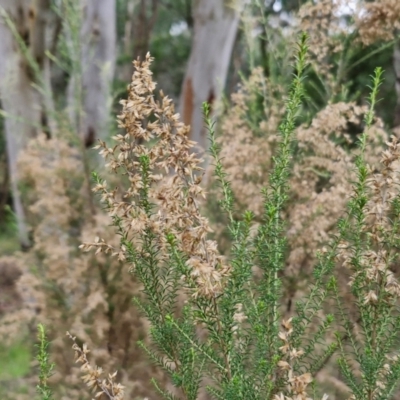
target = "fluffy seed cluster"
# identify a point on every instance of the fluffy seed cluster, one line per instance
(93, 377)
(321, 20)
(380, 283)
(296, 384)
(68, 290)
(323, 167)
(163, 191)
(321, 177)
(250, 137)
(379, 20)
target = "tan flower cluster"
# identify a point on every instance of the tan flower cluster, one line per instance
(68, 290)
(93, 377)
(384, 186)
(56, 201)
(378, 265)
(247, 144)
(321, 20)
(320, 185)
(321, 180)
(239, 318)
(322, 169)
(296, 384)
(164, 188)
(377, 262)
(374, 21)
(379, 20)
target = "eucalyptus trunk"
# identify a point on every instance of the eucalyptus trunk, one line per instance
(140, 20)
(20, 21)
(98, 65)
(215, 28)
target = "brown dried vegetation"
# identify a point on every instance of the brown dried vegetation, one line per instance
(90, 294)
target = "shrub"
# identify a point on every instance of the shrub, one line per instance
(215, 325)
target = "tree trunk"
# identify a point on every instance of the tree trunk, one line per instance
(18, 98)
(98, 65)
(215, 28)
(144, 24)
(141, 17)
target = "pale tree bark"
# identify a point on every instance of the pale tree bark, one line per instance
(38, 14)
(215, 28)
(42, 25)
(125, 71)
(20, 102)
(98, 65)
(25, 27)
(139, 24)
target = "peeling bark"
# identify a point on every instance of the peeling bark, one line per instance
(215, 28)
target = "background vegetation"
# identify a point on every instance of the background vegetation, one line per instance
(65, 66)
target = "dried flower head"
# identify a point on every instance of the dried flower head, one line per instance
(94, 375)
(378, 20)
(164, 189)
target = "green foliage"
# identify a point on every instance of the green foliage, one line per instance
(9, 242)
(235, 343)
(240, 358)
(367, 59)
(370, 252)
(236, 340)
(45, 366)
(15, 360)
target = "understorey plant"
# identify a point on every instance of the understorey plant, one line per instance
(216, 322)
